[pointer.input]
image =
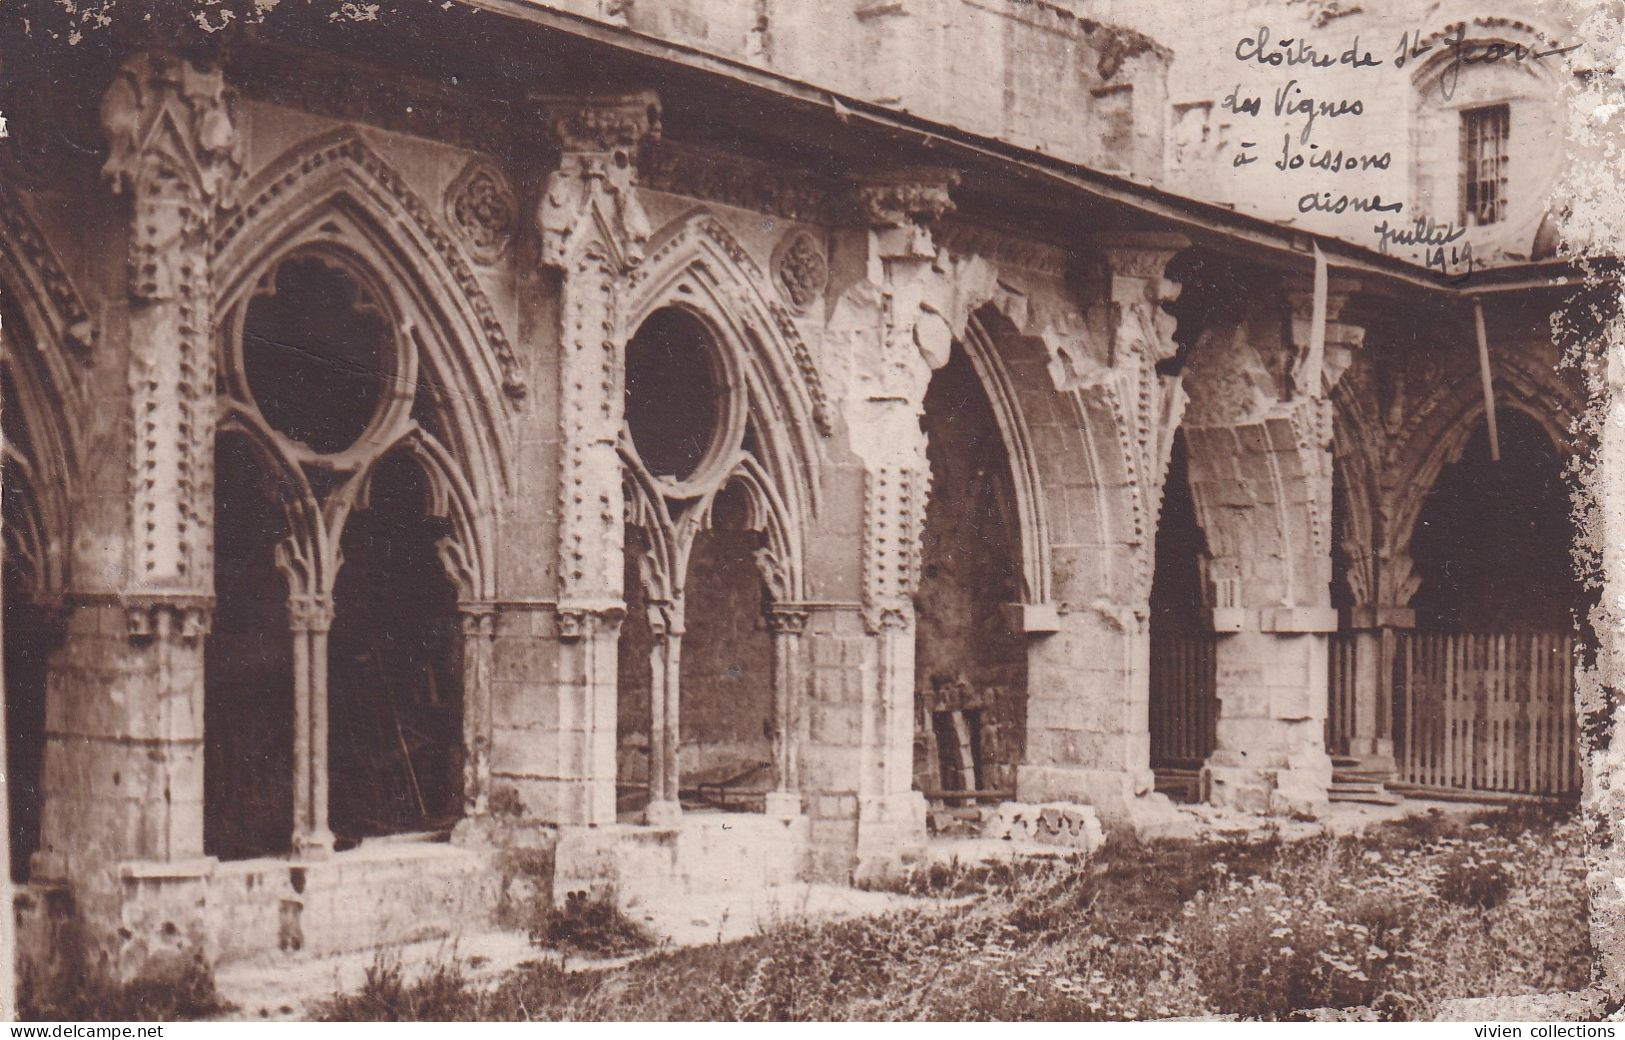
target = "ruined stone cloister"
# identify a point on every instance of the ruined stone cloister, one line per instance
(511, 434)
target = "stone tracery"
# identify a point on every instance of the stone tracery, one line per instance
(698, 271)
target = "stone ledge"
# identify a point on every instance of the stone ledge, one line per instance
(168, 870)
(1032, 618)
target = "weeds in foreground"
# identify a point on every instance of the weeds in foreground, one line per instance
(1394, 920)
(593, 925)
(188, 995)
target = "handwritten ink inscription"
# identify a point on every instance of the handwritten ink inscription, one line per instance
(1305, 152)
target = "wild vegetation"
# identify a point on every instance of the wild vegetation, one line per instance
(188, 995)
(1394, 920)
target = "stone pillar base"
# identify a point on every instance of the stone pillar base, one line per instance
(663, 814)
(1114, 793)
(1374, 753)
(891, 832)
(1288, 785)
(783, 805)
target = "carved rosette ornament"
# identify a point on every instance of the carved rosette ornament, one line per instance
(799, 269)
(173, 151)
(482, 210)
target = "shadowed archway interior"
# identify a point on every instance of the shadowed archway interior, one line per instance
(395, 667)
(248, 666)
(1492, 541)
(970, 671)
(1183, 699)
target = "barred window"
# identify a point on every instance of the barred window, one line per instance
(1484, 164)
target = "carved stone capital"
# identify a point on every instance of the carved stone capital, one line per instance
(602, 124)
(583, 621)
(666, 618)
(787, 620)
(590, 199)
(181, 617)
(174, 149)
(1138, 325)
(477, 620)
(308, 613)
(903, 197)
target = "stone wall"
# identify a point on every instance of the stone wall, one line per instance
(1049, 75)
(1406, 113)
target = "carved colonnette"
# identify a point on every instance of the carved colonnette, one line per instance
(173, 153)
(592, 232)
(898, 332)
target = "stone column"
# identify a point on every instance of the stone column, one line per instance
(1261, 472)
(1376, 641)
(665, 723)
(898, 333)
(122, 782)
(592, 233)
(130, 702)
(478, 624)
(787, 623)
(310, 619)
(1088, 725)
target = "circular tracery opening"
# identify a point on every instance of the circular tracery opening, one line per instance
(673, 395)
(317, 350)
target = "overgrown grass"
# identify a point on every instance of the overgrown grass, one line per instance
(1396, 919)
(186, 996)
(592, 925)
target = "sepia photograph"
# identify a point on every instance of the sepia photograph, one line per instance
(813, 511)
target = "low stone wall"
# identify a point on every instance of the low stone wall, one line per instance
(370, 896)
(703, 853)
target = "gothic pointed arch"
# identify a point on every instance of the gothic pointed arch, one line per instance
(1445, 423)
(1088, 422)
(301, 558)
(696, 263)
(34, 277)
(999, 382)
(46, 339)
(336, 192)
